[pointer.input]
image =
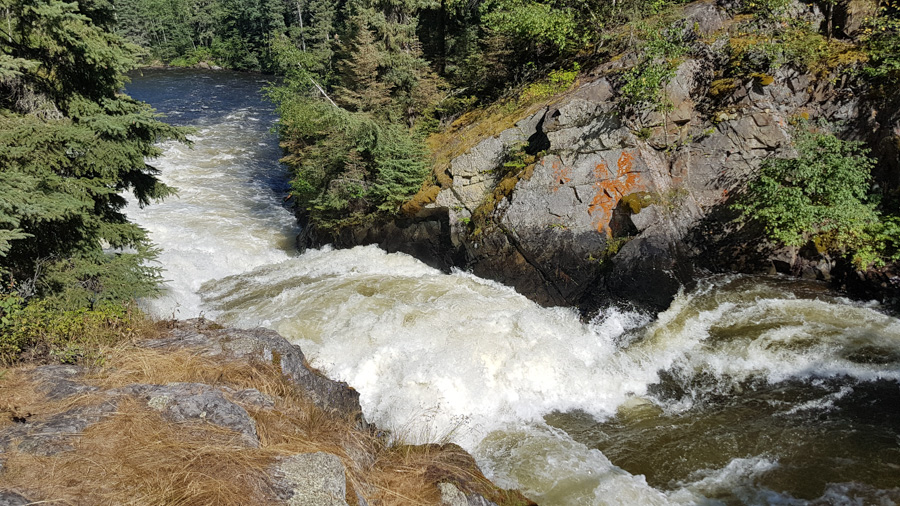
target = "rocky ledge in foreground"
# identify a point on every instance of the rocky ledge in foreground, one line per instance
(203, 414)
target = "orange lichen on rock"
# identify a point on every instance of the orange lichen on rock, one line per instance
(610, 190)
(561, 176)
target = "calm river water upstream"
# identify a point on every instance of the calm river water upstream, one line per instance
(747, 390)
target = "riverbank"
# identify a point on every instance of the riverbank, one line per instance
(630, 408)
(200, 414)
(200, 65)
(620, 185)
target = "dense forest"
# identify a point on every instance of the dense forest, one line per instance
(70, 145)
(364, 83)
(367, 81)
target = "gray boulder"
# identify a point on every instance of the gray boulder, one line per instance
(451, 495)
(267, 346)
(311, 479)
(182, 402)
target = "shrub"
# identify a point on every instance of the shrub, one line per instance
(767, 8)
(764, 51)
(557, 81)
(882, 43)
(533, 22)
(643, 83)
(879, 244)
(42, 332)
(822, 194)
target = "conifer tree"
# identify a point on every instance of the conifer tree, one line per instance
(362, 89)
(318, 32)
(70, 145)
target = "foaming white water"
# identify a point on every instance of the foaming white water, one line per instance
(454, 356)
(547, 464)
(758, 331)
(437, 356)
(472, 354)
(225, 219)
(739, 478)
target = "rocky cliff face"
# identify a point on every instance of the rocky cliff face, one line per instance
(626, 206)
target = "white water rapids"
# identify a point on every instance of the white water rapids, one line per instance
(539, 397)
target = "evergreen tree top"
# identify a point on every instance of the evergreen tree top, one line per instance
(70, 144)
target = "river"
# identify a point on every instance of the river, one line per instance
(747, 390)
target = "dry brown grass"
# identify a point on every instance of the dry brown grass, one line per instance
(135, 456)
(22, 398)
(417, 470)
(127, 365)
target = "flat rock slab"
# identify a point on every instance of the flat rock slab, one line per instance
(311, 479)
(60, 381)
(56, 433)
(181, 402)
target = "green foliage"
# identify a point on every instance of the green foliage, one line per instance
(879, 244)
(193, 57)
(766, 50)
(364, 88)
(400, 168)
(234, 33)
(643, 83)
(347, 163)
(11, 342)
(767, 8)
(823, 193)
(517, 159)
(363, 153)
(68, 336)
(70, 145)
(537, 23)
(882, 43)
(557, 81)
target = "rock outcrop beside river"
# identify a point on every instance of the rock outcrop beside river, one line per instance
(69, 418)
(635, 206)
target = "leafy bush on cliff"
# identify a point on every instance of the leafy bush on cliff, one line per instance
(821, 195)
(661, 53)
(882, 41)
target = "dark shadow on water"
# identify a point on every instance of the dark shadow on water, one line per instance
(202, 98)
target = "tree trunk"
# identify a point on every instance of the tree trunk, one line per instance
(300, 18)
(442, 39)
